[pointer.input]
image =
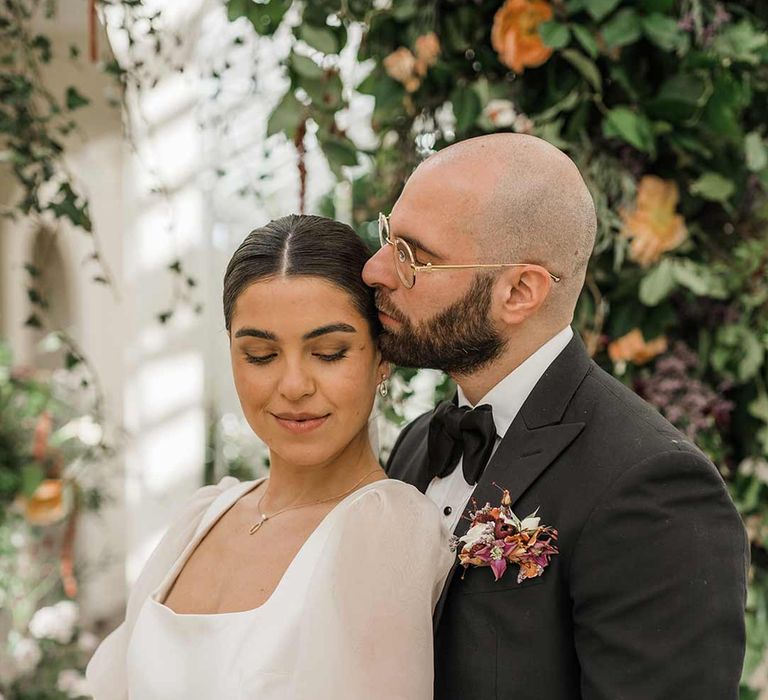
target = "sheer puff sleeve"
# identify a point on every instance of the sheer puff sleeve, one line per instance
(368, 626)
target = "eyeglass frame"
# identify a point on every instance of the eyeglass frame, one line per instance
(428, 267)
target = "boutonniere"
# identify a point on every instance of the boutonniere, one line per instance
(497, 538)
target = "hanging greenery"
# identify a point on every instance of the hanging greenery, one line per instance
(35, 123)
(661, 103)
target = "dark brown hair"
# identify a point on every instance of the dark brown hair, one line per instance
(302, 245)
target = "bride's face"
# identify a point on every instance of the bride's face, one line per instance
(305, 367)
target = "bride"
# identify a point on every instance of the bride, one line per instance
(320, 580)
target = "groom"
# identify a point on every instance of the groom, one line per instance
(645, 600)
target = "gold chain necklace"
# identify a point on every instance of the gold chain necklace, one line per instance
(264, 518)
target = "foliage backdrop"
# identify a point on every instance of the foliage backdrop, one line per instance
(661, 103)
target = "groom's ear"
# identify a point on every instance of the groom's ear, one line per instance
(520, 292)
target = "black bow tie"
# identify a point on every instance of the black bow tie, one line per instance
(456, 430)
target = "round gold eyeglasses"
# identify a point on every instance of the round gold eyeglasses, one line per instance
(407, 267)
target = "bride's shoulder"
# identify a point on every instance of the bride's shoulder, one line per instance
(389, 500)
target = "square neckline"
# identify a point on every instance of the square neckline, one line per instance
(201, 533)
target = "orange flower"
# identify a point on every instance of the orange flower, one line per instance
(529, 569)
(515, 34)
(653, 225)
(633, 348)
(46, 506)
(400, 64)
(405, 67)
(427, 50)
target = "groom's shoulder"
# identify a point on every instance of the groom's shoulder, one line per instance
(623, 422)
(414, 429)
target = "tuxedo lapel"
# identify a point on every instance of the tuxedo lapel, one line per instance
(535, 439)
(410, 459)
(413, 463)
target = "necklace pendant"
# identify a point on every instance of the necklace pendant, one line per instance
(256, 527)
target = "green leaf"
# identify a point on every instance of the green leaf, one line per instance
(236, 9)
(622, 29)
(264, 16)
(32, 476)
(723, 111)
(759, 407)
(69, 206)
(663, 31)
(75, 100)
(554, 34)
(404, 10)
(680, 97)
(755, 151)
(575, 6)
(326, 92)
(586, 39)
(713, 186)
(743, 352)
(601, 8)
(699, 279)
(305, 67)
(466, 107)
(566, 104)
(71, 361)
(741, 42)
(586, 67)
(630, 126)
(286, 116)
(338, 151)
(657, 283)
(387, 92)
(663, 6)
(33, 321)
(320, 38)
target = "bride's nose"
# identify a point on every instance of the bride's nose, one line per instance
(296, 381)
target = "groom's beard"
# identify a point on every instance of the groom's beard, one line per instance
(458, 340)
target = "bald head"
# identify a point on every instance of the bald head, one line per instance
(520, 199)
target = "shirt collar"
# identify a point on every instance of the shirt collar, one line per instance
(508, 396)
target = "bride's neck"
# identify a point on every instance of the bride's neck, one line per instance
(290, 484)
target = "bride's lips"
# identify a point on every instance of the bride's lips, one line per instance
(300, 422)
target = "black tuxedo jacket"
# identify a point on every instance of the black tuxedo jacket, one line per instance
(645, 600)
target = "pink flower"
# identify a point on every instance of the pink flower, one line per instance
(497, 538)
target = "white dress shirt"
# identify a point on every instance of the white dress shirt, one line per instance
(452, 493)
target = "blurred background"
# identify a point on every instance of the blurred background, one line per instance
(141, 141)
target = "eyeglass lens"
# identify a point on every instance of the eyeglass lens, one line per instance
(401, 253)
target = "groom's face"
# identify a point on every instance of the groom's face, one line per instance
(445, 320)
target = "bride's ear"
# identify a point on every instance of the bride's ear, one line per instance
(384, 369)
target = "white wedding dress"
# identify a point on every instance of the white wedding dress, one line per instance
(351, 619)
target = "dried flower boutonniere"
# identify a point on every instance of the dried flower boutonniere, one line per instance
(497, 538)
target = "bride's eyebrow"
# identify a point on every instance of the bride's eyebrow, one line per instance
(331, 328)
(255, 333)
(317, 332)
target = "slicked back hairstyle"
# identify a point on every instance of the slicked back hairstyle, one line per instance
(302, 245)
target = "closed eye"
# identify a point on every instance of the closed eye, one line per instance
(260, 359)
(332, 358)
(265, 359)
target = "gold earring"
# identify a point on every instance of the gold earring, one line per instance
(383, 387)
